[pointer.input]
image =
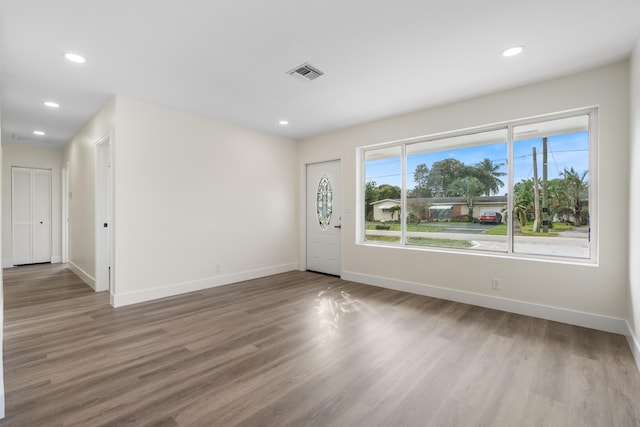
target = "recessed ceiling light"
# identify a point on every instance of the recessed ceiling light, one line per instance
(512, 51)
(283, 122)
(52, 104)
(38, 132)
(73, 57)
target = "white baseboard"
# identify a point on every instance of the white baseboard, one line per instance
(9, 263)
(2, 404)
(83, 275)
(1, 387)
(634, 344)
(119, 300)
(572, 317)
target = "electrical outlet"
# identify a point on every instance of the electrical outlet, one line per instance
(496, 284)
(218, 268)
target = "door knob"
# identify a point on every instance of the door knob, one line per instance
(337, 226)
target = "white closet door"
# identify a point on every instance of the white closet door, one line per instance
(21, 215)
(30, 215)
(41, 200)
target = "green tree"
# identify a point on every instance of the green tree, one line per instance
(575, 187)
(468, 187)
(421, 178)
(488, 173)
(370, 196)
(387, 191)
(442, 174)
(557, 199)
(524, 196)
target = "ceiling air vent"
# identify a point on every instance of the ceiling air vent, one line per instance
(306, 71)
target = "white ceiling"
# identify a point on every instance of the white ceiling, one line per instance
(227, 59)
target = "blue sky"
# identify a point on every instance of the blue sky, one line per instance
(564, 151)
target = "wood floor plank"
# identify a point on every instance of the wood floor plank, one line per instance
(299, 349)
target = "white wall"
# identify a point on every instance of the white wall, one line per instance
(31, 157)
(192, 194)
(1, 304)
(634, 209)
(581, 294)
(80, 155)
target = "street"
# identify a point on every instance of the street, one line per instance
(571, 244)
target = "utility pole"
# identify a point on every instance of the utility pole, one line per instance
(545, 208)
(536, 193)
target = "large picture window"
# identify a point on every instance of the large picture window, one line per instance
(524, 187)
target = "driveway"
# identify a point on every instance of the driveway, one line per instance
(462, 227)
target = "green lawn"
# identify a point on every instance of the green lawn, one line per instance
(393, 239)
(527, 230)
(422, 241)
(441, 243)
(498, 230)
(423, 226)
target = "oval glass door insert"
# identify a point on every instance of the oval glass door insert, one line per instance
(324, 205)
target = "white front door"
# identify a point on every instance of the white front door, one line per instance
(30, 215)
(324, 217)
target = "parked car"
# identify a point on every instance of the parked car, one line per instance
(490, 217)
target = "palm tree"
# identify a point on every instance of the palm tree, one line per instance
(524, 196)
(468, 187)
(575, 185)
(558, 201)
(488, 174)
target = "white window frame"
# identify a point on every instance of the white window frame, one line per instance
(509, 125)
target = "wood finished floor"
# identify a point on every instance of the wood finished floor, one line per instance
(299, 349)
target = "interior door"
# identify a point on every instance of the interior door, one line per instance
(21, 216)
(30, 215)
(41, 215)
(324, 221)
